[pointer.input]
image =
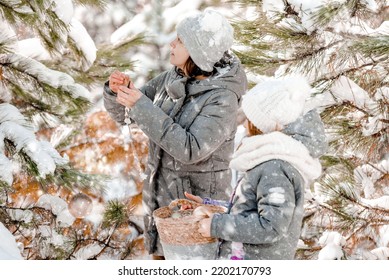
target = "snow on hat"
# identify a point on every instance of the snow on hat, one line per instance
(206, 36)
(276, 102)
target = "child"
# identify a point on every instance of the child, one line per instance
(267, 210)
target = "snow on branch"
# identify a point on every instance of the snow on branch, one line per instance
(42, 74)
(54, 24)
(83, 43)
(6, 167)
(14, 128)
(6, 40)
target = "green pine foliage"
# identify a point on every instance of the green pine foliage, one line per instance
(115, 214)
(44, 96)
(108, 58)
(39, 94)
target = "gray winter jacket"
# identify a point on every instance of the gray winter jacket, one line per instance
(268, 224)
(191, 126)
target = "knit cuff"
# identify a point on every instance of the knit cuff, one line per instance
(215, 224)
(207, 200)
(210, 201)
(107, 90)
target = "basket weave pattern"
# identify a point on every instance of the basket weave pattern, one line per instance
(183, 229)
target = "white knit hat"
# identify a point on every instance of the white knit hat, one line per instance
(206, 36)
(276, 102)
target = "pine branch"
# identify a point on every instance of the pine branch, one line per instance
(326, 13)
(106, 243)
(71, 178)
(245, 3)
(372, 47)
(15, 12)
(3, 185)
(115, 213)
(108, 59)
(346, 204)
(348, 132)
(6, 41)
(63, 176)
(35, 209)
(348, 71)
(100, 4)
(34, 89)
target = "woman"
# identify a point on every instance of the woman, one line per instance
(189, 114)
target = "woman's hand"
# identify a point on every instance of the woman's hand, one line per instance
(128, 96)
(117, 79)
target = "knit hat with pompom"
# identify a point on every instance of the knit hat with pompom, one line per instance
(276, 102)
(206, 36)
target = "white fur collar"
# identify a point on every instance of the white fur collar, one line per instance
(275, 145)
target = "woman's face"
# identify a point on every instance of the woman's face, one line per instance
(178, 53)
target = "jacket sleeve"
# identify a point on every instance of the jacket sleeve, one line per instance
(275, 199)
(114, 109)
(213, 125)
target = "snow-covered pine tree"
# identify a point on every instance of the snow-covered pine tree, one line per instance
(32, 95)
(342, 47)
(35, 98)
(47, 220)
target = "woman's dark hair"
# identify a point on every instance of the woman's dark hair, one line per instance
(193, 70)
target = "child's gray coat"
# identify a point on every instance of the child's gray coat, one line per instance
(270, 229)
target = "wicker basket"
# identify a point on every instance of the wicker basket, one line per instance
(178, 231)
